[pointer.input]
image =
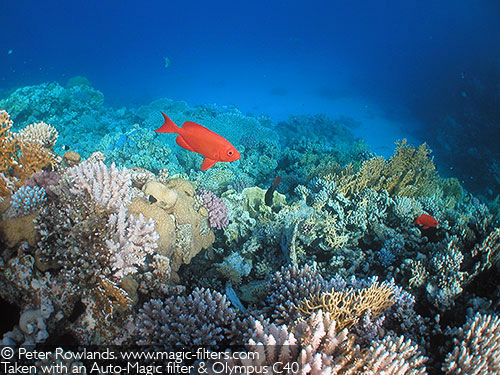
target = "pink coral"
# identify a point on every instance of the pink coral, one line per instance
(216, 207)
(44, 179)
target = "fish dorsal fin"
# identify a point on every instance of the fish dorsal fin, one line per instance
(182, 142)
(207, 164)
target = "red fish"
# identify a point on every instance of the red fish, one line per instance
(427, 221)
(196, 138)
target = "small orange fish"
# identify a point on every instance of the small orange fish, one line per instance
(196, 138)
(427, 221)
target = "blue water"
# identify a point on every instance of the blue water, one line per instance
(398, 67)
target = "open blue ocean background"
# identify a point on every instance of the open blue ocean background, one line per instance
(398, 68)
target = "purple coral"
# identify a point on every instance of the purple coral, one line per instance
(216, 207)
(45, 180)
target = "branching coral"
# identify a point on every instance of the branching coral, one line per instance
(205, 317)
(409, 172)
(40, 132)
(25, 153)
(289, 287)
(319, 334)
(489, 251)
(477, 349)
(33, 157)
(26, 200)
(348, 306)
(87, 231)
(394, 356)
(105, 188)
(316, 347)
(8, 151)
(216, 207)
(131, 240)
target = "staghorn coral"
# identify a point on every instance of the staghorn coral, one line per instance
(319, 333)
(477, 347)
(316, 347)
(204, 317)
(272, 349)
(87, 232)
(348, 306)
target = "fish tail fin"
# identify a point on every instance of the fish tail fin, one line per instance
(168, 126)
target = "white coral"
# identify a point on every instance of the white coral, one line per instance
(108, 188)
(477, 349)
(132, 239)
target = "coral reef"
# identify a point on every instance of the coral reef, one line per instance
(133, 244)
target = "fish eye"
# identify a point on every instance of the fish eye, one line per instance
(230, 152)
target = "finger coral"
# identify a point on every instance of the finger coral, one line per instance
(477, 349)
(105, 188)
(40, 132)
(205, 317)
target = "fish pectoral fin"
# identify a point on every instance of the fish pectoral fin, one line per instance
(182, 142)
(207, 164)
(425, 227)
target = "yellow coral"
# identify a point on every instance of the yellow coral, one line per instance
(409, 172)
(25, 153)
(40, 132)
(347, 307)
(33, 158)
